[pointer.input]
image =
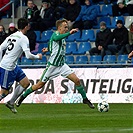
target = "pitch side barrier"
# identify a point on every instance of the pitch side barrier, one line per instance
(112, 82)
(85, 65)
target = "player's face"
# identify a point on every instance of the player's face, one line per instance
(63, 28)
(26, 28)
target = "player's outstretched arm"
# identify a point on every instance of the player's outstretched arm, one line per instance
(29, 55)
(73, 31)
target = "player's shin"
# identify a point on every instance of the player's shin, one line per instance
(85, 99)
(17, 92)
(28, 91)
(24, 95)
(81, 91)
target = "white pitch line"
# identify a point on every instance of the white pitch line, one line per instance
(95, 131)
(128, 129)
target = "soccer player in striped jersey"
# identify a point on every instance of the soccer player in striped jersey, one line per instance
(56, 64)
(15, 45)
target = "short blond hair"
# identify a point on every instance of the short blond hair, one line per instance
(59, 22)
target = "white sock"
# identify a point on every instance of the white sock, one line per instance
(17, 92)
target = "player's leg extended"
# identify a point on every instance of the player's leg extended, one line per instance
(80, 89)
(18, 75)
(44, 78)
(29, 91)
(6, 80)
(23, 85)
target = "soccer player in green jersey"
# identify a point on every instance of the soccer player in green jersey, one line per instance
(56, 64)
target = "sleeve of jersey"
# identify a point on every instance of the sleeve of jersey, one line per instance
(58, 37)
(0, 53)
(26, 49)
(29, 55)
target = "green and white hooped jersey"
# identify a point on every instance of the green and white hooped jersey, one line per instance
(57, 48)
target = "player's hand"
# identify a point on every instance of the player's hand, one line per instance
(130, 55)
(73, 31)
(40, 56)
(45, 50)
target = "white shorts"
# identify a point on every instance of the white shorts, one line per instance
(53, 71)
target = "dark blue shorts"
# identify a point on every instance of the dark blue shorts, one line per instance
(7, 78)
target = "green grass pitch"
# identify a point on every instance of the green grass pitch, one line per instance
(66, 118)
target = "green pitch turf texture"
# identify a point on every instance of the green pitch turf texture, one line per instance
(66, 118)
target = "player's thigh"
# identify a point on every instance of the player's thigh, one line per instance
(7, 78)
(49, 73)
(67, 72)
(21, 77)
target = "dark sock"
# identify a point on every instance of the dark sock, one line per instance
(28, 91)
(81, 91)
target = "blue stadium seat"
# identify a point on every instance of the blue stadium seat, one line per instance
(114, 20)
(106, 19)
(122, 59)
(38, 36)
(41, 46)
(71, 47)
(46, 36)
(106, 10)
(81, 60)
(83, 47)
(48, 53)
(73, 37)
(100, 2)
(109, 59)
(69, 59)
(38, 62)
(95, 59)
(97, 6)
(54, 28)
(87, 35)
(19, 61)
(25, 61)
